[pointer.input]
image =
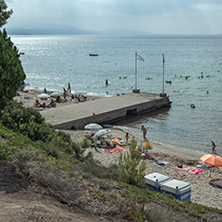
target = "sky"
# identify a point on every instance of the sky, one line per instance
(155, 16)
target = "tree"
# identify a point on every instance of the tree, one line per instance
(12, 75)
(11, 71)
(4, 15)
(130, 168)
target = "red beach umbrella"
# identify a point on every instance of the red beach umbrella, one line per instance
(212, 159)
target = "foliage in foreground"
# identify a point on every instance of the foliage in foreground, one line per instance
(11, 71)
(30, 123)
(131, 168)
(4, 14)
(60, 166)
(26, 121)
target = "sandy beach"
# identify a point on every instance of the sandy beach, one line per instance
(201, 191)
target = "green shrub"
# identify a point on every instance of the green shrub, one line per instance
(79, 151)
(63, 140)
(130, 168)
(26, 121)
(85, 143)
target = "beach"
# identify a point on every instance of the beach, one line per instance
(201, 191)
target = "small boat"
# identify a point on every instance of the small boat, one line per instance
(93, 54)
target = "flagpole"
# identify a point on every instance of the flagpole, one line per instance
(163, 72)
(135, 71)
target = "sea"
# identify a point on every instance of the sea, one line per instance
(193, 64)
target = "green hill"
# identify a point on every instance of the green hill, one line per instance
(57, 168)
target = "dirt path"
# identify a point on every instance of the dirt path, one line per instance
(21, 201)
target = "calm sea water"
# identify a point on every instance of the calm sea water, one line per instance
(53, 61)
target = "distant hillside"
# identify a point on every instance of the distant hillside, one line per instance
(51, 29)
(125, 32)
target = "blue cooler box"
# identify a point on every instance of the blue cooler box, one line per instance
(179, 189)
(155, 180)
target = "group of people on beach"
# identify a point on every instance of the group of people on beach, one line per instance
(59, 99)
(43, 105)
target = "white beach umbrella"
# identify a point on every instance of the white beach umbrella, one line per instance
(28, 88)
(43, 96)
(102, 132)
(55, 94)
(92, 126)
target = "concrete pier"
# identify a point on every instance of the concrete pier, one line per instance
(104, 110)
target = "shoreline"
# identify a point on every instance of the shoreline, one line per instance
(28, 103)
(202, 192)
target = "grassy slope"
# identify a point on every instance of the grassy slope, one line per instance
(69, 181)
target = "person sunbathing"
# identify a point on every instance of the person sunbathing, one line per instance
(43, 105)
(110, 145)
(37, 103)
(52, 104)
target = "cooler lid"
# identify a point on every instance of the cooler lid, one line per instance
(176, 184)
(156, 177)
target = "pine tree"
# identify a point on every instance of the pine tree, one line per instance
(4, 15)
(131, 167)
(12, 75)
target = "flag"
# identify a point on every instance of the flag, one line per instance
(138, 57)
(163, 59)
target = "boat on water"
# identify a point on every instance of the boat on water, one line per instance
(93, 54)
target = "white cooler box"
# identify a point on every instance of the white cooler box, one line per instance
(155, 180)
(179, 189)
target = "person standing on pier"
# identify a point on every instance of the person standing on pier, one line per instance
(69, 88)
(144, 130)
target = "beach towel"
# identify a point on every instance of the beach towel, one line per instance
(191, 170)
(216, 183)
(163, 163)
(113, 150)
(119, 141)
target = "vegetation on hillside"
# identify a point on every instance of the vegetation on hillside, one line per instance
(58, 164)
(11, 71)
(131, 168)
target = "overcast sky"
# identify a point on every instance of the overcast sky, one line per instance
(156, 16)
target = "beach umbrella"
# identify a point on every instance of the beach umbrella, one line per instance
(56, 94)
(43, 96)
(80, 93)
(93, 126)
(102, 132)
(212, 159)
(26, 89)
(147, 145)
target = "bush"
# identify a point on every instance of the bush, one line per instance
(79, 152)
(130, 168)
(26, 121)
(85, 143)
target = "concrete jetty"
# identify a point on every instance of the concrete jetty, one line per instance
(104, 110)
